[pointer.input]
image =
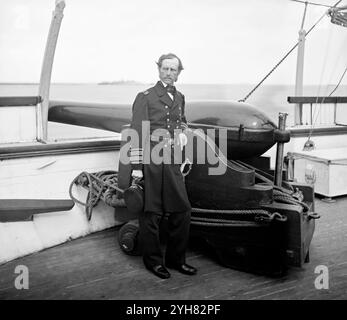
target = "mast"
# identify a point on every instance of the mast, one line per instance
(300, 70)
(46, 70)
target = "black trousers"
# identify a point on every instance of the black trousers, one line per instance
(177, 238)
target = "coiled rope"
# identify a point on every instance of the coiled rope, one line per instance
(100, 185)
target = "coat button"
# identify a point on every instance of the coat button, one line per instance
(168, 126)
(166, 107)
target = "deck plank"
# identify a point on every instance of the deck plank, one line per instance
(94, 267)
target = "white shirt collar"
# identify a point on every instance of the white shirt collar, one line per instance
(170, 94)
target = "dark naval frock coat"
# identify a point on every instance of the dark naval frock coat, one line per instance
(164, 183)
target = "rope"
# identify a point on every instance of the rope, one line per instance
(214, 224)
(104, 185)
(317, 111)
(101, 185)
(260, 216)
(312, 3)
(213, 220)
(338, 84)
(290, 200)
(286, 55)
(230, 212)
(336, 87)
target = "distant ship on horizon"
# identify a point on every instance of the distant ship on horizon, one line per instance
(119, 82)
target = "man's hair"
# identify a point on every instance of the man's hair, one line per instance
(170, 56)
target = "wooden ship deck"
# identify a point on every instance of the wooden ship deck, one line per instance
(94, 267)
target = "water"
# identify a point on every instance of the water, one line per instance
(271, 99)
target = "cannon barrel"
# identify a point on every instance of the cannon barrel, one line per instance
(250, 132)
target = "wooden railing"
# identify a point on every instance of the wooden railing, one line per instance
(19, 101)
(306, 114)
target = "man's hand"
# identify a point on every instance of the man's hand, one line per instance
(183, 140)
(137, 174)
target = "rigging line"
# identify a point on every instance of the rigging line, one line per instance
(312, 3)
(315, 116)
(316, 111)
(338, 84)
(340, 50)
(287, 54)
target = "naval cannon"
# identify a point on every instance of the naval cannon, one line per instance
(252, 218)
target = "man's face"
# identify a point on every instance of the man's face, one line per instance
(168, 72)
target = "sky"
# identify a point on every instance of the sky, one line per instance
(219, 41)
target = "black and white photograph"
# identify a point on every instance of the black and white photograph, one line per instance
(173, 156)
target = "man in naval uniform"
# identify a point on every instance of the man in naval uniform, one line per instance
(164, 188)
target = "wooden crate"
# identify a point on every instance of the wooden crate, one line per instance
(325, 169)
